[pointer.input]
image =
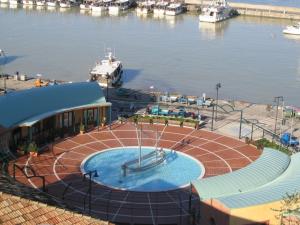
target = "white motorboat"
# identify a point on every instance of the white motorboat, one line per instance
(108, 72)
(217, 11)
(28, 2)
(41, 3)
(119, 5)
(295, 29)
(65, 4)
(174, 9)
(13, 2)
(4, 1)
(86, 5)
(145, 7)
(160, 8)
(98, 7)
(51, 3)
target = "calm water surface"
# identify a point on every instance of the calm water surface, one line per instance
(250, 56)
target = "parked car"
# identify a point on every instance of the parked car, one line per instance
(288, 140)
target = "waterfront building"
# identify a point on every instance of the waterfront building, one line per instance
(42, 115)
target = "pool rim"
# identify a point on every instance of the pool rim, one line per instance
(83, 171)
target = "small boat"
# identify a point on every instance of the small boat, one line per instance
(145, 7)
(160, 8)
(174, 9)
(119, 5)
(41, 3)
(51, 3)
(107, 72)
(86, 5)
(98, 7)
(295, 29)
(65, 4)
(13, 2)
(28, 2)
(217, 11)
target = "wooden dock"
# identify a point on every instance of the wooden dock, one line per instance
(252, 9)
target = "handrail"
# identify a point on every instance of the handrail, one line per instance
(23, 168)
(65, 191)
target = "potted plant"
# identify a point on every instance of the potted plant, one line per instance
(135, 120)
(181, 123)
(81, 128)
(166, 122)
(21, 149)
(151, 121)
(33, 149)
(103, 121)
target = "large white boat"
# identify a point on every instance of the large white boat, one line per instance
(217, 11)
(108, 72)
(160, 8)
(174, 9)
(4, 1)
(295, 29)
(119, 5)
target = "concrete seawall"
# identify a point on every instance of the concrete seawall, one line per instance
(252, 9)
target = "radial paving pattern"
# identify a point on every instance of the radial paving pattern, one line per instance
(61, 168)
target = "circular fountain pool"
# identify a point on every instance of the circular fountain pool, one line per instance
(176, 170)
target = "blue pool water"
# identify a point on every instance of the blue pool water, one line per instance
(176, 171)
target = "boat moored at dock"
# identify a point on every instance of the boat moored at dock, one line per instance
(145, 8)
(41, 3)
(217, 11)
(119, 5)
(294, 30)
(51, 3)
(13, 2)
(108, 72)
(4, 1)
(28, 2)
(174, 9)
(65, 4)
(160, 8)
(86, 5)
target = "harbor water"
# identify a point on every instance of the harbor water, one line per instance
(249, 56)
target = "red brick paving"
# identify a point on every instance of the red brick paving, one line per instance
(217, 153)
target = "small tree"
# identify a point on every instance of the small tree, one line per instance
(289, 204)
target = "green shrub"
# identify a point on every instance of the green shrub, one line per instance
(266, 143)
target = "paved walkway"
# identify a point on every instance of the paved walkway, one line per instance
(219, 154)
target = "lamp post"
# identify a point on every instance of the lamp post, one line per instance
(276, 99)
(2, 53)
(106, 77)
(218, 86)
(90, 174)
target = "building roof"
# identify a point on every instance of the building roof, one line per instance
(26, 107)
(20, 204)
(266, 168)
(287, 183)
(16, 210)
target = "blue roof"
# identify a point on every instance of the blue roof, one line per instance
(288, 182)
(266, 168)
(26, 107)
